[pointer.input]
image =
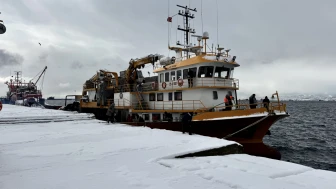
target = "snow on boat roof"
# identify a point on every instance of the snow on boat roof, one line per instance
(92, 154)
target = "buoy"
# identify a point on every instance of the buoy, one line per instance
(180, 82)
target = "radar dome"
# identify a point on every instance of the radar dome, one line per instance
(206, 35)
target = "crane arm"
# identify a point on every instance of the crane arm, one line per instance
(41, 75)
(104, 72)
(138, 63)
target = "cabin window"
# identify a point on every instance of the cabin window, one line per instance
(194, 70)
(215, 95)
(159, 96)
(177, 95)
(170, 96)
(179, 74)
(161, 77)
(172, 74)
(152, 97)
(156, 117)
(222, 72)
(185, 72)
(231, 73)
(167, 77)
(205, 71)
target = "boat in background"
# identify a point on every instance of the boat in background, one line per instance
(26, 92)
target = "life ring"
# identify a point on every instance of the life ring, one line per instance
(164, 85)
(0, 105)
(180, 82)
(153, 85)
(120, 95)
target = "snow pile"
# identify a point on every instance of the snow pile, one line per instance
(92, 154)
(19, 102)
(244, 171)
(12, 114)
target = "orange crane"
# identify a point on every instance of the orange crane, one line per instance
(134, 64)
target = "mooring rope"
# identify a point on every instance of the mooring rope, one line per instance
(230, 135)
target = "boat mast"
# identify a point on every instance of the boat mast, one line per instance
(18, 78)
(186, 16)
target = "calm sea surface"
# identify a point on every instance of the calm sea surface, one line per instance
(308, 136)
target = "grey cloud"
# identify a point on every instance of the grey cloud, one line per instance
(76, 65)
(43, 58)
(9, 59)
(261, 33)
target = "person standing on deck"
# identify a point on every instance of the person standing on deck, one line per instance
(253, 101)
(232, 103)
(186, 123)
(190, 78)
(228, 102)
(140, 86)
(266, 102)
(110, 113)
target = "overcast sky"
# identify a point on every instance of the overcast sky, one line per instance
(284, 45)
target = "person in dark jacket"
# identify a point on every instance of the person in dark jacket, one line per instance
(253, 101)
(190, 78)
(266, 102)
(141, 119)
(186, 123)
(168, 117)
(110, 113)
(129, 118)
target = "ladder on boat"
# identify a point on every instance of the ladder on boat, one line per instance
(139, 97)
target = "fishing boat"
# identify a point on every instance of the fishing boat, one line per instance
(27, 93)
(195, 82)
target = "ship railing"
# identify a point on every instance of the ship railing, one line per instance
(120, 102)
(272, 107)
(206, 54)
(150, 86)
(216, 82)
(201, 82)
(181, 105)
(277, 107)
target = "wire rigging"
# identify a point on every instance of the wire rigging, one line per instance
(217, 20)
(202, 17)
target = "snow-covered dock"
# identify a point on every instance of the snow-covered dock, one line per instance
(92, 154)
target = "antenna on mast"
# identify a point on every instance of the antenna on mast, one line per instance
(186, 17)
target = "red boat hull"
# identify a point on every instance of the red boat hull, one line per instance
(251, 138)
